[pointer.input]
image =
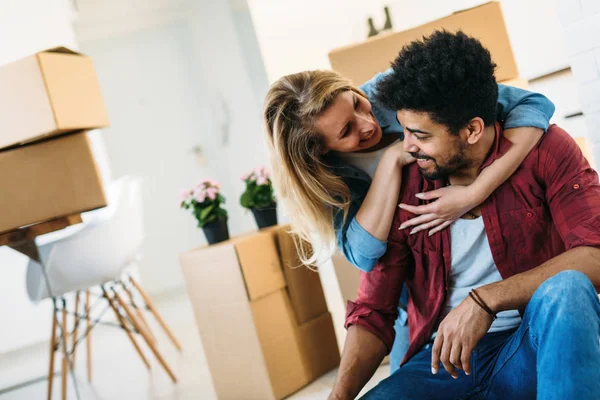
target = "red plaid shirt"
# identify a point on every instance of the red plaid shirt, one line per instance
(549, 205)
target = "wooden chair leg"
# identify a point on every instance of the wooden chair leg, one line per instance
(152, 346)
(154, 312)
(77, 321)
(139, 326)
(52, 347)
(111, 302)
(88, 338)
(65, 363)
(139, 313)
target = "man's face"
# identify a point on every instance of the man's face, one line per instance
(439, 153)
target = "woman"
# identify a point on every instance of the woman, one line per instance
(337, 158)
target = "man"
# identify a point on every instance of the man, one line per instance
(504, 304)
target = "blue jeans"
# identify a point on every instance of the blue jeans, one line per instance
(401, 342)
(553, 354)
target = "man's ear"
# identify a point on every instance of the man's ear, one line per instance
(475, 129)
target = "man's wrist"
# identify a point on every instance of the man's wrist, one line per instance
(488, 295)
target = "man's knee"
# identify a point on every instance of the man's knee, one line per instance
(568, 288)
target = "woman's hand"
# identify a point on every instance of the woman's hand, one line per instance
(397, 152)
(451, 204)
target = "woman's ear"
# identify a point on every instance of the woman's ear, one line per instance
(475, 130)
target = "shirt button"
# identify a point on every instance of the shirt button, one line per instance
(529, 214)
(576, 186)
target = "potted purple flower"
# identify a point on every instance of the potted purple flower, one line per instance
(204, 201)
(259, 197)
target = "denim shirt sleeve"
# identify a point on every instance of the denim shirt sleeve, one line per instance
(358, 246)
(518, 107)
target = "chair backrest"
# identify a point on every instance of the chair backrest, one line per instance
(99, 252)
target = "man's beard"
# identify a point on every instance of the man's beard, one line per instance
(457, 162)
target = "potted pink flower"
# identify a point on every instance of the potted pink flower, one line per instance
(204, 201)
(259, 197)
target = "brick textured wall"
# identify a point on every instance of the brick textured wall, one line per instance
(580, 21)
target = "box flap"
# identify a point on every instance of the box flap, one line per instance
(260, 264)
(304, 284)
(73, 90)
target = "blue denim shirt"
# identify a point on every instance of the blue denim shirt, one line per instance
(516, 107)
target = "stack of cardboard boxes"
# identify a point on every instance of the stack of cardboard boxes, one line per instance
(262, 317)
(47, 168)
(360, 62)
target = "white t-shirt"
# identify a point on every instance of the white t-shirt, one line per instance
(473, 266)
(366, 162)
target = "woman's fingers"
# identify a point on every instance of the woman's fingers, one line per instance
(418, 220)
(440, 227)
(427, 225)
(419, 210)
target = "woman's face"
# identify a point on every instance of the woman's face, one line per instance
(349, 124)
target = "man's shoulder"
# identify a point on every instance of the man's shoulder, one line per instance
(556, 146)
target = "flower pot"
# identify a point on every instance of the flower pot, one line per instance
(216, 231)
(265, 217)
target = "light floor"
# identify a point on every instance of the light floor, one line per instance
(118, 372)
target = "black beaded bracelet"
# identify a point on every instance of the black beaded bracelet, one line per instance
(479, 301)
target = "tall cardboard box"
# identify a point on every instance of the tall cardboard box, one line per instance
(47, 94)
(243, 316)
(47, 180)
(304, 284)
(360, 62)
(253, 344)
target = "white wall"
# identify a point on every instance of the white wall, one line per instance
(176, 75)
(581, 23)
(297, 35)
(27, 26)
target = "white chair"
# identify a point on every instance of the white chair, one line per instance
(97, 253)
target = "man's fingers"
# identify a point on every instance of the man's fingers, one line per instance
(435, 353)
(445, 358)
(426, 226)
(419, 210)
(418, 220)
(465, 359)
(455, 356)
(440, 227)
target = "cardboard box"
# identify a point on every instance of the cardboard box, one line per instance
(48, 180)
(49, 93)
(278, 338)
(304, 284)
(520, 83)
(360, 62)
(319, 346)
(253, 345)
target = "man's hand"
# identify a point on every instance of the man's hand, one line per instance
(457, 336)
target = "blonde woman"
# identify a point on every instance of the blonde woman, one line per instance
(337, 158)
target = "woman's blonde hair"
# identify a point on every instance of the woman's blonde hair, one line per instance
(310, 191)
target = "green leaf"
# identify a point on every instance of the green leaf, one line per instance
(246, 199)
(206, 211)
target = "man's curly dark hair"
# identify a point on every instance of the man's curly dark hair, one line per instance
(448, 75)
